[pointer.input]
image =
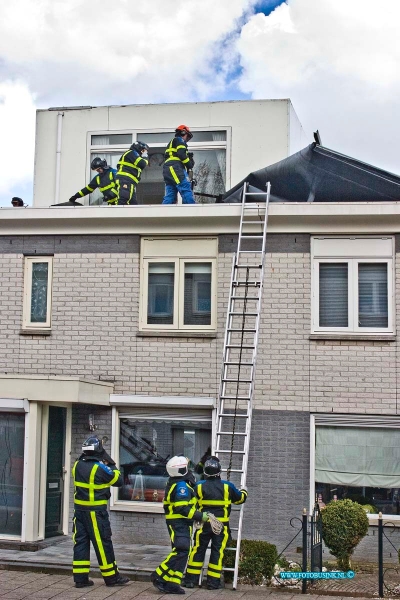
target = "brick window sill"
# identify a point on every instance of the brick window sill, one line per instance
(354, 337)
(182, 334)
(41, 332)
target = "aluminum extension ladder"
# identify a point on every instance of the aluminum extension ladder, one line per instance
(234, 410)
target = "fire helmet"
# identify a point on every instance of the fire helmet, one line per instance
(139, 147)
(212, 467)
(92, 446)
(177, 466)
(98, 163)
(182, 129)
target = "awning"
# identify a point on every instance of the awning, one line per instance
(317, 174)
(54, 388)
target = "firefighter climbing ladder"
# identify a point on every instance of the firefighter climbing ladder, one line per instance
(235, 400)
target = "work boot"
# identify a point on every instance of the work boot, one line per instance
(188, 584)
(215, 585)
(82, 584)
(158, 583)
(121, 580)
(173, 588)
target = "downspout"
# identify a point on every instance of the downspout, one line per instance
(58, 157)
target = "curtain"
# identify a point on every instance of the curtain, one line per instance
(333, 295)
(358, 456)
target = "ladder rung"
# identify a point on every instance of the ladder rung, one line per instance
(244, 297)
(250, 252)
(246, 314)
(226, 380)
(247, 283)
(253, 222)
(256, 194)
(233, 471)
(228, 569)
(244, 346)
(237, 363)
(233, 548)
(230, 433)
(251, 237)
(244, 330)
(230, 451)
(231, 415)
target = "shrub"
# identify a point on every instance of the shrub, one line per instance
(256, 561)
(344, 524)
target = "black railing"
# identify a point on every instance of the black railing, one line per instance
(384, 579)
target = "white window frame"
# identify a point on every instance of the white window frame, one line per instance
(179, 259)
(347, 420)
(125, 402)
(362, 254)
(26, 319)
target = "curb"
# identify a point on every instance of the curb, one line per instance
(134, 573)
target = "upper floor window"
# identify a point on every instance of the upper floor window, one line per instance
(178, 284)
(353, 285)
(37, 292)
(210, 153)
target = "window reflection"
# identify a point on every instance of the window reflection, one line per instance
(145, 448)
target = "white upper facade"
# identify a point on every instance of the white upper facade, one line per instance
(230, 140)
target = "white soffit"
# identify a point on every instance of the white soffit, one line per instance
(53, 388)
(156, 401)
(202, 219)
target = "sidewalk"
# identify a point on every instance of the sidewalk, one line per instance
(139, 560)
(40, 586)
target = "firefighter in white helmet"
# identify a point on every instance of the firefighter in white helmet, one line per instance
(180, 506)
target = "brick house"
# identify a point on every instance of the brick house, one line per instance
(112, 321)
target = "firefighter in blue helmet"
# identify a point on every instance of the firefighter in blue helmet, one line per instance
(94, 473)
(217, 496)
(130, 168)
(176, 166)
(104, 180)
(180, 506)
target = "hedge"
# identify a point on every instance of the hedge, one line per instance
(256, 561)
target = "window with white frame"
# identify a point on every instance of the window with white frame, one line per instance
(145, 436)
(37, 292)
(178, 284)
(209, 147)
(357, 457)
(352, 283)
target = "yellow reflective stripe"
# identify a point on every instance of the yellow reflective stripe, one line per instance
(91, 481)
(211, 574)
(114, 479)
(107, 187)
(216, 503)
(191, 562)
(81, 562)
(176, 517)
(81, 194)
(96, 486)
(193, 571)
(98, 539)
(74, 527)
(172, 158)
(81, 570)
(90, 502)
(174, 175)
(186, 160)
(125, 174)
(106, 567)
(183, 503)
(89, 188)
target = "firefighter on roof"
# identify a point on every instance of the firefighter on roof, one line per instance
(94, 472)
(130, 167)
(180, 506)
(104, 180)
(176, 166)
(217, 496)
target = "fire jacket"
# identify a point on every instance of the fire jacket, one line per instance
(92, 480)
(180, 500)
(104, 181)
(177, 152)
(216, 496)
(131, 165)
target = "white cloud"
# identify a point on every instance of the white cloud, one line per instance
(17, 126)
(338, 62)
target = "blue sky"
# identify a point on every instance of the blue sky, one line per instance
(318, 53)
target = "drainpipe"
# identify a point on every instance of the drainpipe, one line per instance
(58, 157)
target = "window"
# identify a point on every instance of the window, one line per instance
(12, 436)
(178, 284)
(147, 432)
(210, 152)
(358, 458)
(37, 292)
(353, 285)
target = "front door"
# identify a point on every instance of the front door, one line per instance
(55, 471)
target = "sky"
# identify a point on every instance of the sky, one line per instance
(337, 60)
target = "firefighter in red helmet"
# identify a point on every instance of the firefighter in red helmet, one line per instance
(178, 161)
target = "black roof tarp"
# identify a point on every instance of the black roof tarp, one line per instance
(317, 174)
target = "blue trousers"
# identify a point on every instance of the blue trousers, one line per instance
(185, 190)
